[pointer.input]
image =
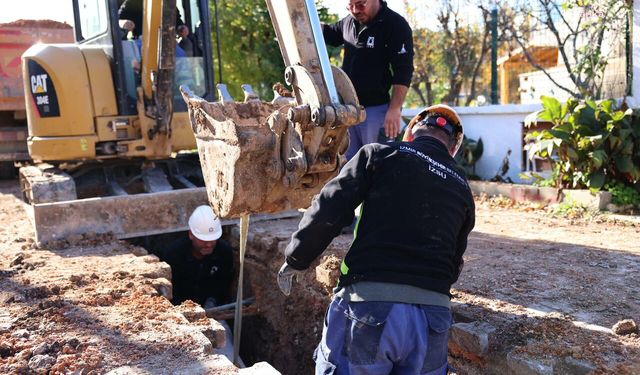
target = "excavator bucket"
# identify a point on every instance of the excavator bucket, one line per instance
(240, 149)
(263, 157)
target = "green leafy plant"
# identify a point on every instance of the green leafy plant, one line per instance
(623, 195)
(538, 179)
(570, 209)
(590, 143)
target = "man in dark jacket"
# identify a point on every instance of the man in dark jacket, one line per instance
(391, 309)
(132, 10)
(378, 57)
(201, 264)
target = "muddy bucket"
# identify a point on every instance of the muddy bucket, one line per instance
(251, 157)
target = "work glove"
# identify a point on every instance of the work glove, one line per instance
(285, 278)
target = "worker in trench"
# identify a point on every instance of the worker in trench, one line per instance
(201, 263)
(391, 308)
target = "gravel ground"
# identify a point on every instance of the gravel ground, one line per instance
(552, 286)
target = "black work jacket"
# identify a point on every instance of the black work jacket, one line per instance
(198, 280)
(376, 55)
(417, 212)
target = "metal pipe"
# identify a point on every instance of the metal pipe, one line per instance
(494, 55)
(321, 47)
(218, 51)
(237, 321)
(231, 305)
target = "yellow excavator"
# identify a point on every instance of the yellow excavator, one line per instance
(109, 127)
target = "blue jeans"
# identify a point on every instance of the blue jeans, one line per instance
(366, 132)
(383, 338)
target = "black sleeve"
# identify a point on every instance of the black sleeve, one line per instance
(333, 34)
(331, 211)
(132, 10)
(461, 244)
(401, 53)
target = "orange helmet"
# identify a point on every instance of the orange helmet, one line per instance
(442, 116)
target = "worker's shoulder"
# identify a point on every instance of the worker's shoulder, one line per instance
(394, 18)
(175, 250)
(380, 148)
(223, 247)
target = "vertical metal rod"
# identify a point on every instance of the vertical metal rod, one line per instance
(494, 56)
(321, 47)
(215, 10)
(629, 51)
(237, 321)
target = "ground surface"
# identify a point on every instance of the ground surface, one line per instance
(89, 308)
(551, 286)
(554, 286)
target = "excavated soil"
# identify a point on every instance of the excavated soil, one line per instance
(552, 287)
(46, 24)
(91, 305)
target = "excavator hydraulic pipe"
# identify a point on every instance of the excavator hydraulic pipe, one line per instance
(325, 65)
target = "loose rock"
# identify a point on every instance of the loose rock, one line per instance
(625, 327)
(17, 260)
(41, 362)
(41, 349)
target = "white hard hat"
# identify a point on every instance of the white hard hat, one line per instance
(204, 224)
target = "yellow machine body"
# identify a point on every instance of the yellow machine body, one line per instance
(75, 83)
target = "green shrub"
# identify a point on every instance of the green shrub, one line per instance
(468, 155)
(623, 195)
(591, 144)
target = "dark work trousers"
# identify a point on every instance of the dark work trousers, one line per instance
(366, 338)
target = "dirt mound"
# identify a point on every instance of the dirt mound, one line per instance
(92, 306)
(45, 24)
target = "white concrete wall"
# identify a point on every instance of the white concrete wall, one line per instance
(500, 127)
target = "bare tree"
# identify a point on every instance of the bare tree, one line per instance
(461, 44)
(580, 29)
(425, 58)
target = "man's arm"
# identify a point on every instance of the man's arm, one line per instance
(333, 34)
(461, 245)
(332, 210)
(394, 113)
(400, 52)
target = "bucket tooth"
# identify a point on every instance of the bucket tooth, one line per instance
(249, 94)
(281, 95)
(223, 93)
